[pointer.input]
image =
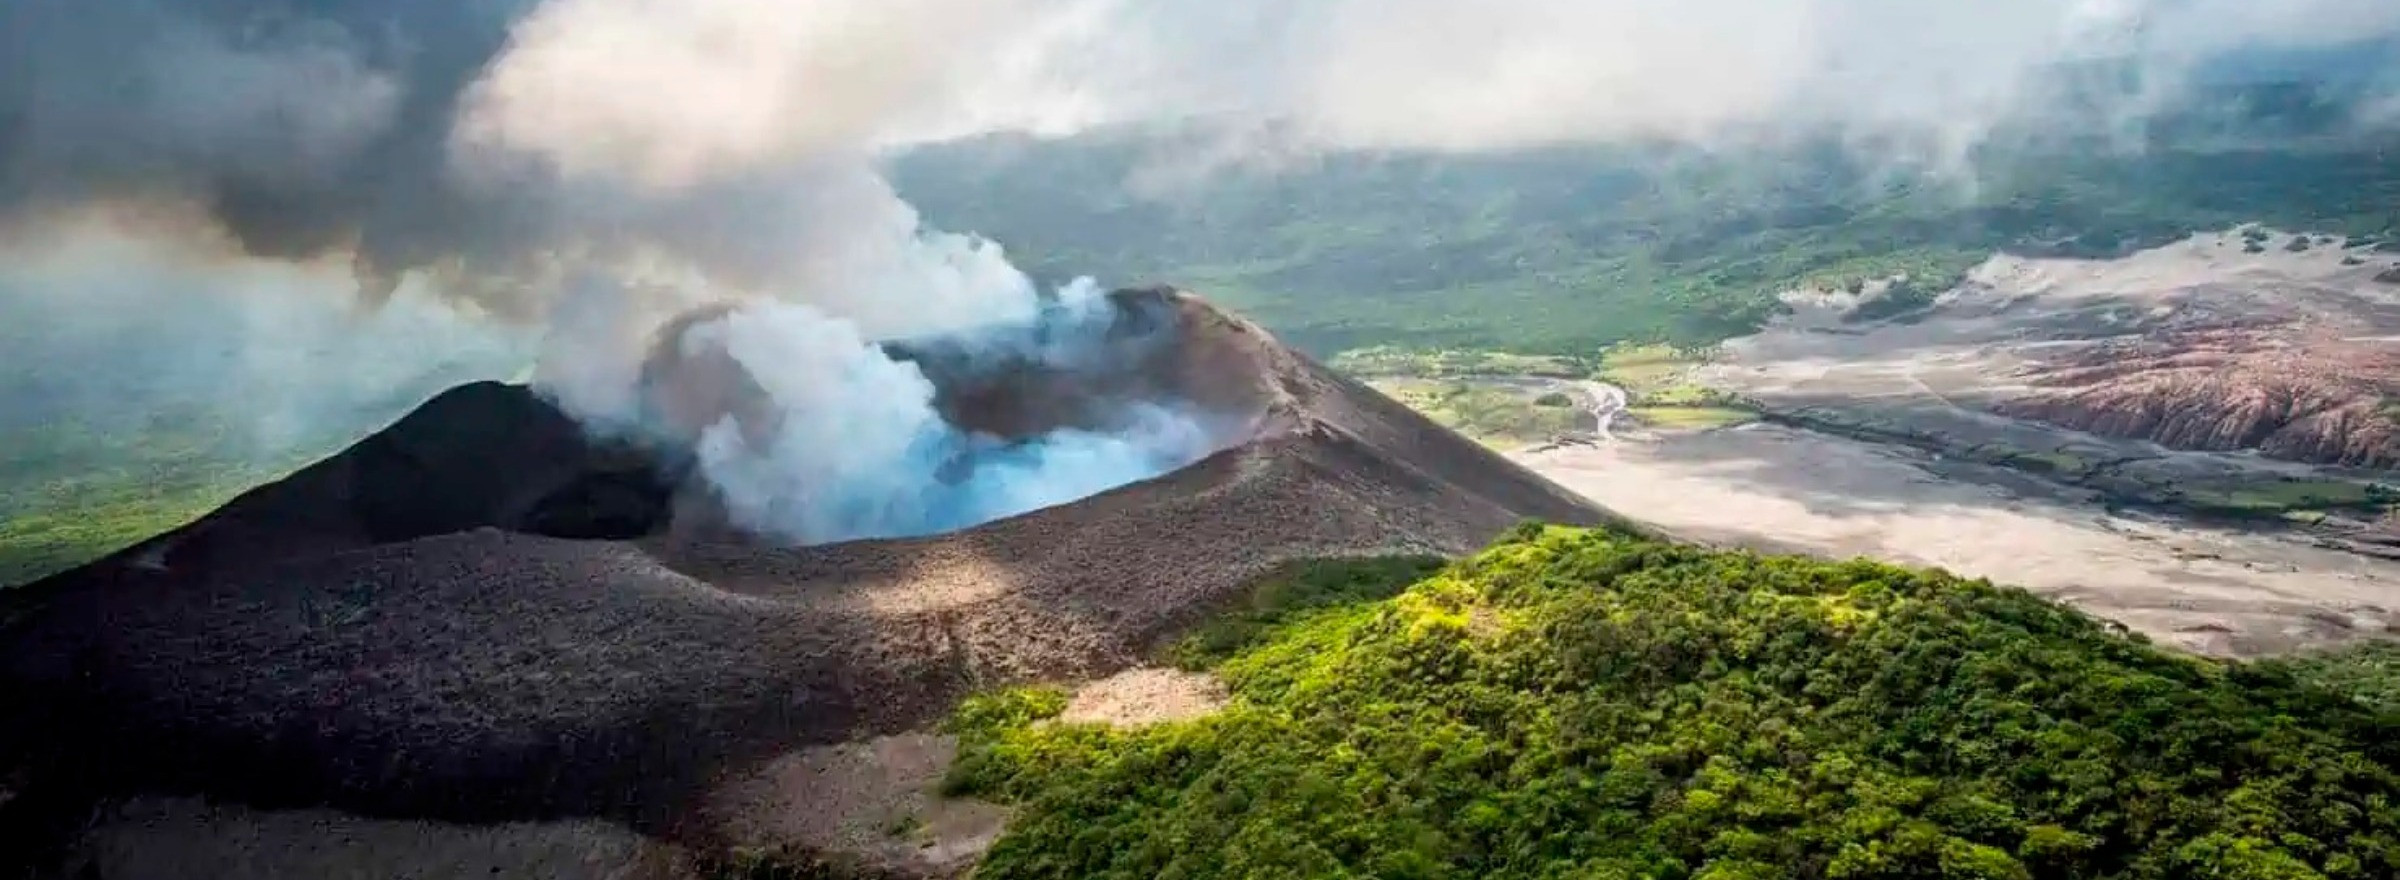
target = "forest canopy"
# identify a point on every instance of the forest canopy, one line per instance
(1576, 703)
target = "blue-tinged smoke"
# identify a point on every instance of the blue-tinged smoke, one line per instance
(850, 442)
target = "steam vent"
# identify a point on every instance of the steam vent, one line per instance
(478, 618)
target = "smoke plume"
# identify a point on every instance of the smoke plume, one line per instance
(601, 166)
(851, 443)
(504, 145)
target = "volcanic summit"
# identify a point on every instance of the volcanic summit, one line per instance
(482, 614)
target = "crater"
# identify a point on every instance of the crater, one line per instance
(799, 431)
(406, 630)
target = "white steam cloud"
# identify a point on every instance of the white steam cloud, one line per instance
(852, 445)
(505, 144)
(737, 146)
(606, 163)
(671, 94)
(1501, 74)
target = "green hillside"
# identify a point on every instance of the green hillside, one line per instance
(72, 490)
(1587, 704)
(1565, 250)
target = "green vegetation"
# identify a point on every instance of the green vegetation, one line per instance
(2368, 672)
(1647, 369)
(2064, 465)
(1568, 250)
(1692, 418)
(1392, 361)
(984, 715)
(1293, 596)
(2121, 481)
(36, 544)
(1902, 297)
(2254, 240)
(1656, 379)
(73, 493)
(1685, 395)
(1575, 703)
(1489, 413)
(2284, 497)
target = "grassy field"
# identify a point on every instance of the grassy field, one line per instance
(1441, 385)
(59, 511)
(1495, 416)
(1393, 361)
(1657, 381)
(79, 485)
(1645, 370)
(38, 542)
(2301, 501)
(1691, 418)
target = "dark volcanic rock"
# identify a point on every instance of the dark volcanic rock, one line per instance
(389, 632)
(484, 454)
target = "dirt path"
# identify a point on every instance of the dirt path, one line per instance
(2211, 590)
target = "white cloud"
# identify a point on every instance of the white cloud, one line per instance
(674, 93)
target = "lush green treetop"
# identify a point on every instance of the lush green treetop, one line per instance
(1589, 704)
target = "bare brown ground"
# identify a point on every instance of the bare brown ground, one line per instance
(190, 839)
(2201, 345)
(873, 804)
(385, 634)
(1141, 697)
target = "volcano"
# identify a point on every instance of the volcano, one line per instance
(480, 615)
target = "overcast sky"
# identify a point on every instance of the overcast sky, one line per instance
(491, 139)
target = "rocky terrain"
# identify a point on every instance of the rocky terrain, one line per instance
(2293, 392)
(2295, 358)
(2190, 441)
(483, 642)
(2216, 375)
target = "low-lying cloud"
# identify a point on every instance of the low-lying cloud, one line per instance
(508, 144)
(124, 356)
(512, 157)
(1503, 74)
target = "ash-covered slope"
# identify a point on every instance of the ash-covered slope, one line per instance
(2208, 346)
(2320, 395)
(2224, 342)
(477, 615)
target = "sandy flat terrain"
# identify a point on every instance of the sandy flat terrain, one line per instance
(2207, 589)
(2258, 330)
(1940, 378)
(2015, 312)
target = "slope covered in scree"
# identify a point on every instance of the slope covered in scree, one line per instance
(477, 615)
(1582, 703)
